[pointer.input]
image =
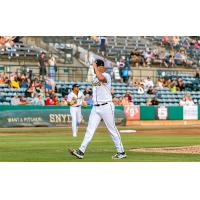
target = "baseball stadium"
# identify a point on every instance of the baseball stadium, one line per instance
(155, 90)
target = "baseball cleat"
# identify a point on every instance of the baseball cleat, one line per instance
(77, 153)
(74, 135)
(119, 156)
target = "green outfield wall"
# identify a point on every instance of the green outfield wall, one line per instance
(16, 116)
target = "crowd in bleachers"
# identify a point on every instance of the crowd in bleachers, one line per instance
(165, 51)
(173, 90)
(6, 41)
(20, 88)
(167, 54)
(173, 51)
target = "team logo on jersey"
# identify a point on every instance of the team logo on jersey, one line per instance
(96, 83)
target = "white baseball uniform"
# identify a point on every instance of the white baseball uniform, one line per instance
(103, 108)
(75, 110)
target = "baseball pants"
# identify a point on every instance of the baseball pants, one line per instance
(76, 119)
(105, 112)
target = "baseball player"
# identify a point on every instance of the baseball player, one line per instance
(103, 108)
(75, 100)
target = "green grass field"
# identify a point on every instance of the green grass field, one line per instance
(33, 146)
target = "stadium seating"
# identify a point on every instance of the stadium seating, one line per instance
(165, 96)
(117, 46)
(20, 52)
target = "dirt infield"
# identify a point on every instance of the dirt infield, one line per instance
(155, 130)
(172, 132)
(182, 150)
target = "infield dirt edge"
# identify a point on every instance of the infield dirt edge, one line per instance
(179, 150)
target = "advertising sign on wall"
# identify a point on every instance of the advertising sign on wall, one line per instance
(162, 113)
(132, 112)
(190, 112)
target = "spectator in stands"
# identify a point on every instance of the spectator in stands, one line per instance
(173, 86)
(116, 74)
(64, 101)
(186, 60)
(38, 100)
(158, 57)
(175, 42)
(155, 101)
(3, 76)
(103, 44)
(151, 90)
(49, 85)
(2, 41)
(120, 64)
(95, 38)
(197, 73)
(6, 41)
(42, 66)
(88, 91)
(170, 60)
(15, 100)
(120, 101)
(167, 82)
(52, 67)
(7, 81)
(185, 43)
(179, 60)
(196, 45)
(30, 91)
(182, 59)
(115, 100)
(148, 82)
(148, 58)
(162, 57)
(87, 99)
(125, 101)
(136, 83)
(90, 101)
(141, 89)
(24, 83)
(166, 58)
(56, 100)
(180, 86)
(38, 85)
(128, 96)
(182, 102)
(137, 58)
(23, 100)
(166, 41)
(126, 72)
(50, 101)
(149, 102)
(142, 81)
(188, 100)
(15, 83)
(159, 83)
(195, 102)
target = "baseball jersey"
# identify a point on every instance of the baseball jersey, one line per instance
(73, 97)
(101, 90)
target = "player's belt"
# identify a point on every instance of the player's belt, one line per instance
(76, 106)
(100, 104)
